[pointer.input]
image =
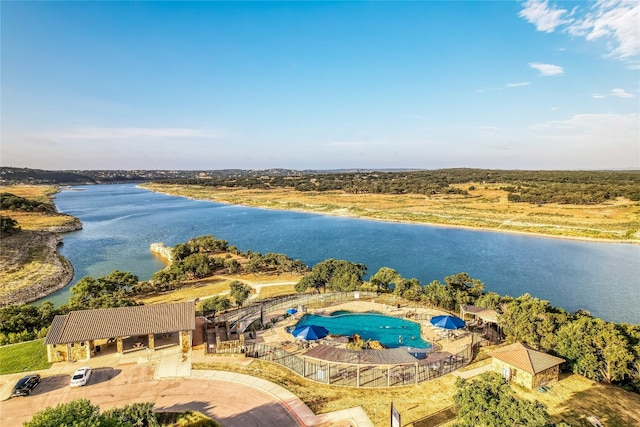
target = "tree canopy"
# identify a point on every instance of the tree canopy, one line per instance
(334, 275)
(103, 292)
(82, 413)
(488, 401)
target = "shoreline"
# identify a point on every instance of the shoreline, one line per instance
(52, 282)
(429, 224)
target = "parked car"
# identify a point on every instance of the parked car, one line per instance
(25, 385)
(80, 376)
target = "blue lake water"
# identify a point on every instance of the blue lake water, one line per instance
(121, 221)
(390, 331)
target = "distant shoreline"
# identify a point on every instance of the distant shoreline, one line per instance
(344, 214)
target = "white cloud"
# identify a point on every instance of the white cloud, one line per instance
(621, 93)
(617, 92)
(547, 69)
(616, 21)
(545, 18)
(98, 133)
(518, 84)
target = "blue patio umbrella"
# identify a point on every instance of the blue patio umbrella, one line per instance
(447, 322)
(310, 332)
(292, 311)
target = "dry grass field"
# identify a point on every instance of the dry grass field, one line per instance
(487, 207)
(264, 285)
(35, 220)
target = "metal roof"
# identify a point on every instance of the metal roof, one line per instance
(102, 323)
(525, 358)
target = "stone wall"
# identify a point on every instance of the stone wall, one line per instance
(79, 351)
(56, 353)
(517, 375)
(545, 377)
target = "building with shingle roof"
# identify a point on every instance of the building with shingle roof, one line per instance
(526, 366)
(73, 336)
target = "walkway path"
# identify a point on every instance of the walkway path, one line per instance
(472, 372)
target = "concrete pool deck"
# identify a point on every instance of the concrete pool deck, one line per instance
(278, 335)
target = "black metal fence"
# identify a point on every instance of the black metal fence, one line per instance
(348, 374)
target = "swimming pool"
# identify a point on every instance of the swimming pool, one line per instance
(390, 331)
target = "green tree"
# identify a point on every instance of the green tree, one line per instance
(595, 348)
(384, 278)
(409, 289)
(133, 415)
(488, 401)
(464, 288)
(240, 292)
(439, 295)
(8, 225)
(338, 275)
(77, 413)
(215, 304)
(197, 265)
(103, 292)
(232, 266)
(531, 321)
(310, 281)
(490, 300)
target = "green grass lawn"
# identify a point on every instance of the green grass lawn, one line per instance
(26, 356)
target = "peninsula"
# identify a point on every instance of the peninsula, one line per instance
(30, 265)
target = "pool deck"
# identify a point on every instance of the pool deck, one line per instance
(278, 335)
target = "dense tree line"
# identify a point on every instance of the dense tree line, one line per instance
(575, 187)
(11, 202)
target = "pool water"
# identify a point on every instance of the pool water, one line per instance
(390, 331)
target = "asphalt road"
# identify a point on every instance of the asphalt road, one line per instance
(231, 404)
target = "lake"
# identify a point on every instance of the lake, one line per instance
(121, 221)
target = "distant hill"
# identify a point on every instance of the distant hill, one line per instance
(14, 175)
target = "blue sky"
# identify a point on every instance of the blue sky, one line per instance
(320, 85)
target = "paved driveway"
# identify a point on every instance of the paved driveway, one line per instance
(231, 404)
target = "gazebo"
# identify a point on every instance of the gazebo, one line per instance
(485, 318)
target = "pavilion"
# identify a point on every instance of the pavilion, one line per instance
(73, 336)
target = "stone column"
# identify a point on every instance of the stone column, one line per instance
(152, 342)
(119, 345)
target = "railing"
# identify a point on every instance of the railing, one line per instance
(334, 373)
(292, 301)
(347, 374)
